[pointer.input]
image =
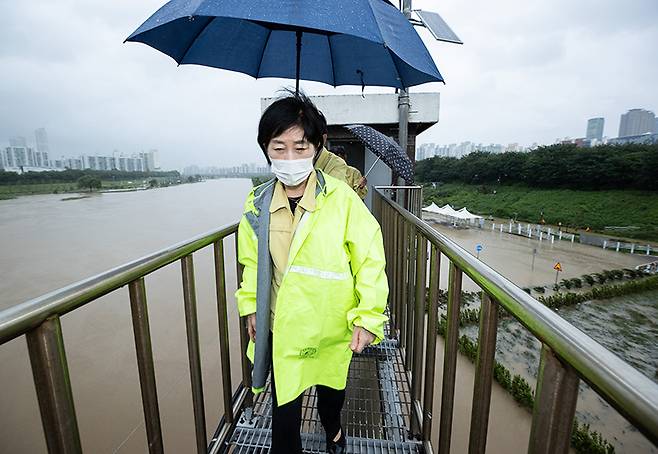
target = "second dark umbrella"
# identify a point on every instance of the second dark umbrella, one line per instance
(385, 149)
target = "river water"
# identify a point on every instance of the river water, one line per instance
(47, 243)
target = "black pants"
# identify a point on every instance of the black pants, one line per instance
(287, 419)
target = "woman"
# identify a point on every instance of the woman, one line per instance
(314, 288)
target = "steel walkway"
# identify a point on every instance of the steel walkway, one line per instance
(375, 415)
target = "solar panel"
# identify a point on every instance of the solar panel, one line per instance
(438, 27)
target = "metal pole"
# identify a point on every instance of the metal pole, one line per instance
(53, 385)
(483, 375)
(403, 103)
(146, 368)
(299, 59)
(555, 405)
(222, 318)
(194, 353)
(430, 355)
(450, 358)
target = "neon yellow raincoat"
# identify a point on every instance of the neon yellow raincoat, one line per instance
(334, 280)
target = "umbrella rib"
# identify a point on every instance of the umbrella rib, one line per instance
(331, 57)
(397, 70)
(189, 46)
(262, 55)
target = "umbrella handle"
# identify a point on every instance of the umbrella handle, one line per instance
(371, 167)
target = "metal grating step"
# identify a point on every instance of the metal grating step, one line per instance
(375, 415)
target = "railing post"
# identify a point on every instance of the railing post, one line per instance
(377, 204)
(145, 366)
(192, 328)
(393, 272)
(244, 337)
(419, 332)
(450, 358)
(483, 375)
(222, 318)
(386, 227)
(555, 405)
(430, 349)
(53, 386)
(399, 277)
(409, 303)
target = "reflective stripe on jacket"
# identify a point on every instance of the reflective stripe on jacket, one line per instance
(335, 280)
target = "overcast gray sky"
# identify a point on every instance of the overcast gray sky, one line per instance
(528, 72)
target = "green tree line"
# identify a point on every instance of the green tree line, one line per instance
(631, 166)
(66, 176)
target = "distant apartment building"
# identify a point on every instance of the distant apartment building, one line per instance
(151, 161)
(595, 129)
(454, 150)
(648, 138)
(17, 157)
(636, 122)
(41, 137)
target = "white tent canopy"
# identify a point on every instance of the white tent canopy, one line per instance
(451, 214)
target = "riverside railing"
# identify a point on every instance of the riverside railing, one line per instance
(39, 321)
(567, 356)
(567, 353)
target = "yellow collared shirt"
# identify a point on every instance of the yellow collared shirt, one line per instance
(282, 227)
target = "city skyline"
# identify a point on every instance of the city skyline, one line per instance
(633, 122)
(526, 73)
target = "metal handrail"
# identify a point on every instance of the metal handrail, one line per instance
(567, 353)
(634, 395)
(39, 320)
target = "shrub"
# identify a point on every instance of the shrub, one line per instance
(609, 275)
(539, 289)
(617, 274)
(588, 278)
(522, 392)
(630, 273)
(576, 282)
(566, 283)
(600, 278)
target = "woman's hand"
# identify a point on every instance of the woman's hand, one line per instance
(361, 338)
(251, 326)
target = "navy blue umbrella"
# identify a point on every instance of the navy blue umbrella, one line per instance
(385, 149)
(338, 42)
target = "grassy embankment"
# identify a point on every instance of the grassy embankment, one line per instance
(13, 190)
(636, 212)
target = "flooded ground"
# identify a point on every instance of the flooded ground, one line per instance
(626, 325)
(512, 256)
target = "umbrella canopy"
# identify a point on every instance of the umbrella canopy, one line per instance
(338, 42)
(385, 149)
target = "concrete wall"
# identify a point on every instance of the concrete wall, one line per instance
(373, 108)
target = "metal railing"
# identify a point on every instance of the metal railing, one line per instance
(39, 321)
(567, 354)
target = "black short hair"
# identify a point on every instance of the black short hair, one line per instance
(294, 109)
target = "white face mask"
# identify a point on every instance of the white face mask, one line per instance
(291, 172)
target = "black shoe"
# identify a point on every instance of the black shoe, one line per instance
(337, 447)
